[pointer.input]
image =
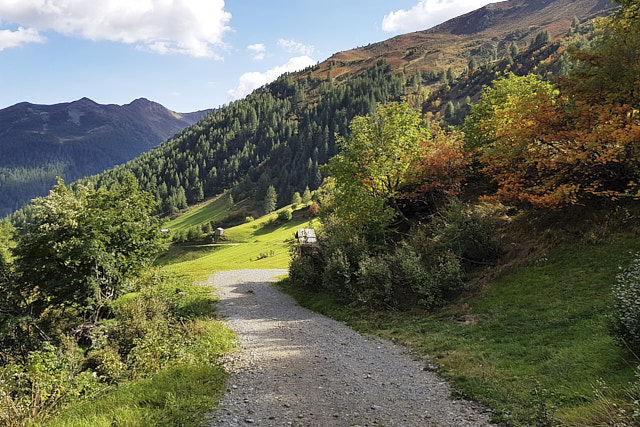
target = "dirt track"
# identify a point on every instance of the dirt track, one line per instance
(298, 368)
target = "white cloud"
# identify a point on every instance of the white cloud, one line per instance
(250, 81)
(10, 39)
(428, 13)
(257, 50)
(295, 47)
(191, 27)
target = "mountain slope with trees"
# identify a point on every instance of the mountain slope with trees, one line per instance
(72, 140)
(283, 133)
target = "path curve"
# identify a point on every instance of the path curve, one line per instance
(298, 368)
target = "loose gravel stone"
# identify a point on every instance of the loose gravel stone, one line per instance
(298, 368)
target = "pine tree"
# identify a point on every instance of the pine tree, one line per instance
(306, 196)
(296, 199)
(270, 200)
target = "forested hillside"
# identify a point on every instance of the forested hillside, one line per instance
(72, 140)
(279, 135)
(284, 132)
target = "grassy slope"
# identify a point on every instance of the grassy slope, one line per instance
(256, 244)
(532, 347)
(212, 210)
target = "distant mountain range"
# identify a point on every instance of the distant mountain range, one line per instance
(72, 140)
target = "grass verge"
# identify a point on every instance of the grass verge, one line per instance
(172, 377)
(534, 346)
(178, 396)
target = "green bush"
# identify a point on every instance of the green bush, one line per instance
(140, 318)
(336, 276)
(106, 363)
(33, 391)
(468, 232)
(285, 215)
(375, 282)
(626, 293)
(305, 269)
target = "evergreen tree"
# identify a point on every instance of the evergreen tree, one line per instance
(270, 200)
(449, 110)
(296, 199)
(450, 75)
(514, 50)
(306, 196)
(542, 39)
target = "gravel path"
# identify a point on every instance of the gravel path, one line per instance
(298, 368)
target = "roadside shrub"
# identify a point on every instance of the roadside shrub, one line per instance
(336, 276)
(432, 277)
(446, 275)
(410, 267)
(305, 269)
(106, 363)
(374, 280)
(140, 318)
(469, 233)
(626, 293)
(33, 391)
(249, 219)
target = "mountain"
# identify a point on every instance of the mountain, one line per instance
(480, 35)
(72, 140)
(283, 132)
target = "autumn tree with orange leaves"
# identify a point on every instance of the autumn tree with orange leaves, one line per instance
(550, 147)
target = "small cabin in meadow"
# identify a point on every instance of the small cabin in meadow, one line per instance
(307, 237)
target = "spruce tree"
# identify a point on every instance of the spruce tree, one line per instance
(306, 196)
(270, 200)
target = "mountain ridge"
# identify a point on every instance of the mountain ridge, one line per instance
(73, 139)
(475, 35)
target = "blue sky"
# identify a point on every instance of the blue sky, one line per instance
(186, 54)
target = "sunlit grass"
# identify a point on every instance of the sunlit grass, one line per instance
(175, 396)
(260, 244)
(212, 210)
